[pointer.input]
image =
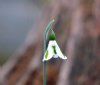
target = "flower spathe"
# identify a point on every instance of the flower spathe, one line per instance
(53, 51)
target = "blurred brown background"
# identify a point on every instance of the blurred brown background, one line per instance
(77, 28)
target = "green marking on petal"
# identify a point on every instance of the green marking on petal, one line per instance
(46, 54)
(54, 49)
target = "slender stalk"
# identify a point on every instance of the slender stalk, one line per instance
(45, 38)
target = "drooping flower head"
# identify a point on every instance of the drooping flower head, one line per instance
(53, 50)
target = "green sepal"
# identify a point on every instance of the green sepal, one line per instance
(52, 35)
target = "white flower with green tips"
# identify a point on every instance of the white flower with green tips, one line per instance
(53, 50)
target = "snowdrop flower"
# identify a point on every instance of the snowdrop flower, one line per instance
(53, 50)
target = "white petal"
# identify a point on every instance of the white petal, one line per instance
(55, 56)
(59, 53)
(50, 52)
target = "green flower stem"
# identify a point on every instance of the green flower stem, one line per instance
(45, 39)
